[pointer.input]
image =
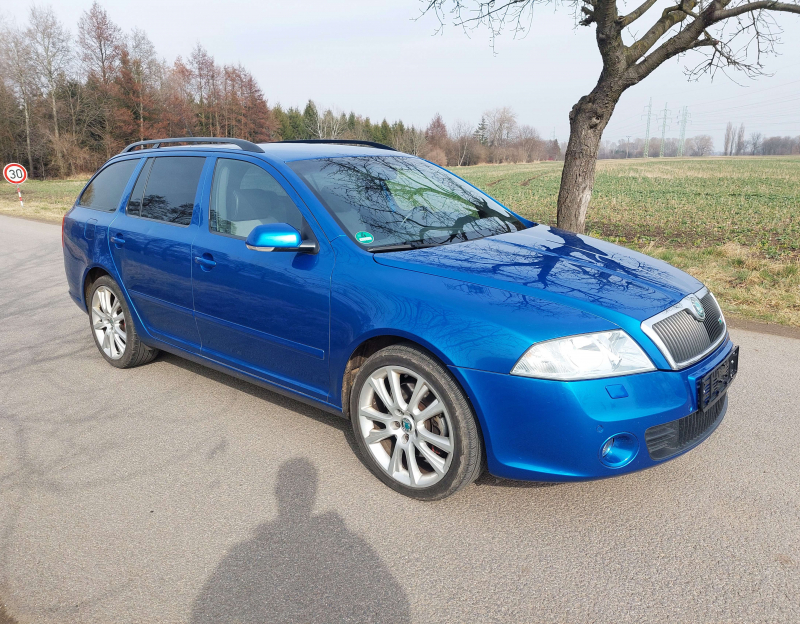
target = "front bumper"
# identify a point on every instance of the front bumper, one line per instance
(542, 430)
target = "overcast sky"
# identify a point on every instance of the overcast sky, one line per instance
(372, 57)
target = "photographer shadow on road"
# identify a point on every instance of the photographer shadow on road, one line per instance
(301, 567)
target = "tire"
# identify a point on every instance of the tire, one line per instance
(426, 446)
(112, 329)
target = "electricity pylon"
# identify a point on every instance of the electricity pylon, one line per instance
(683, 119)
(647, 132)
(663, 131)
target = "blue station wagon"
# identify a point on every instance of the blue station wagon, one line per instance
(454, 334)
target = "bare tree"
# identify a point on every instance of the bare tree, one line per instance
(416, 141)
(203, 70)
(17, 66)
(99, 42)
(702, 145)
(462, 135)
(530, 144)
(741, 143)
(727, 150)
(52, 57)
(754, 143)
(146, 71)
(500, 125)
(744, 30)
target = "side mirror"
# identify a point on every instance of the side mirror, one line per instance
(279, 237)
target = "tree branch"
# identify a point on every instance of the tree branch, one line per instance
(755, 6)
(626, 20)
(670, 17)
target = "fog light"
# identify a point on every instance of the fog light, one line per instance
(619, 450)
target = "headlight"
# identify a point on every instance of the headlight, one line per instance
(586, 356)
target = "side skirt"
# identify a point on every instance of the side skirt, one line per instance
(244, 376)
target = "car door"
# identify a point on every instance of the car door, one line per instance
(260, 311)
(151, 244)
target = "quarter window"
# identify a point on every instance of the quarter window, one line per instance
(169, 189)
(105, 191)
(243, 196)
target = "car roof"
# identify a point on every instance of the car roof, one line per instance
(286, 152)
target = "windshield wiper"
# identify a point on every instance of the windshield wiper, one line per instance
(400, 247)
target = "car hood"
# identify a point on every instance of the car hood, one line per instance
(586, 273)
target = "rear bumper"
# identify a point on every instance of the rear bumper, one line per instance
(544, 430)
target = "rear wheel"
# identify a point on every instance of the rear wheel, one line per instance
(414, 424)
(113, 332)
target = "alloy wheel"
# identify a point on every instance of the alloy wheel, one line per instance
(406, 426)
(108, 322)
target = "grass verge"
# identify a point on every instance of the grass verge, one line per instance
(46, 200)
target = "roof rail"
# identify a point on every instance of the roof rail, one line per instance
(245, 146)
(342, 142)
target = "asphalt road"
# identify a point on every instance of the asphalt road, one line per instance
(172, 493)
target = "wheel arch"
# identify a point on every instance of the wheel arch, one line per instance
(369, 345)
(372, 344)
(89, 278)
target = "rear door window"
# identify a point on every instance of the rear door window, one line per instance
(135, 202)
(105, 190)
(170, 189)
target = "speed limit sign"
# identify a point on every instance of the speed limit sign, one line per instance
(14, 173)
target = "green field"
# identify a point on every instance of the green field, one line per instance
(734, 223)
(692, 202)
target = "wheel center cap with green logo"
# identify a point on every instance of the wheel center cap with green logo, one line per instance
(365, 238)
(407, 425)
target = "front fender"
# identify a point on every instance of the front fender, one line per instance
(465, 325)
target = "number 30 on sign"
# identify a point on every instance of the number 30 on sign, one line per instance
(14, 173)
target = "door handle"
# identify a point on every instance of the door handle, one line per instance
(206, 262)
(118, 240)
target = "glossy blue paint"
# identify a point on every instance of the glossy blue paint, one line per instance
(274, 237)
(291, 321)
(617, 391)
(266, 313)
(154, 261)
(552, 431)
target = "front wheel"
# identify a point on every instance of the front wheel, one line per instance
(414, 425)
(112, 328)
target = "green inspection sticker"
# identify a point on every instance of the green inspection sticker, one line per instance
(365, 238)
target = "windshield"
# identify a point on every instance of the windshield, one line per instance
(391, 201)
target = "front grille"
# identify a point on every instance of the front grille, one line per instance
(713, 315)
(686, 338)
(670, 438)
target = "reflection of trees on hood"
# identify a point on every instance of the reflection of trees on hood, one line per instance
(407, 199)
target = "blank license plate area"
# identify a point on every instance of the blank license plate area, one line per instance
(712, 386)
